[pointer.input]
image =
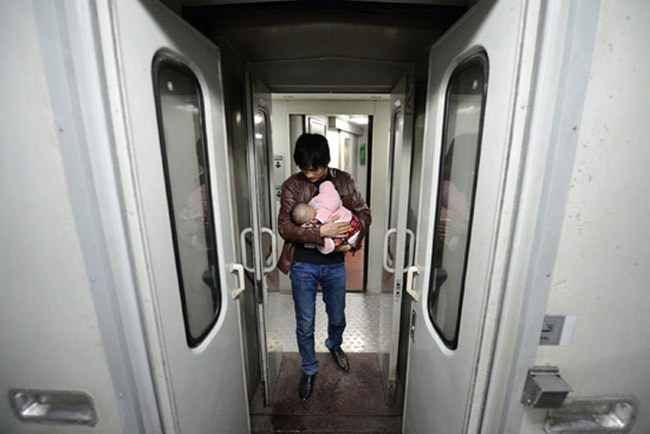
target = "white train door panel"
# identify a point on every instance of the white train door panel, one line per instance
(472, 79)
(174, 167)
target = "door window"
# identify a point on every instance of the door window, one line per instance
(185, 162)
(397, 126)
(461, 143)
(263, 165)
(395, 136)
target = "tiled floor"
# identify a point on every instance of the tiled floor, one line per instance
(362, 333)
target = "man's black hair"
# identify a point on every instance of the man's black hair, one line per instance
(312, 151)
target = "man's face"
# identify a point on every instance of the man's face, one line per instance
(314, 174)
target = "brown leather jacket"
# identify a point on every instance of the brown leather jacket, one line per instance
(296, 189)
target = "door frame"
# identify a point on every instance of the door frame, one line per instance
(375, 105)
(255, 93)
(402, 110)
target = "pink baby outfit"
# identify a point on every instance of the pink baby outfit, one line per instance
(327, 203)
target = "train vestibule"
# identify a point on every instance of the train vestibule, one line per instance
(500, 145)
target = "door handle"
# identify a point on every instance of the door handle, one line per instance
(411, 259)
(274, 250)
(53, 406)
(593, 415)
(239, 268)
(243, 250)
(414, 269)
(411, 236)
(387, 267)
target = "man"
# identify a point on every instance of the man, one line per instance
(308, 266)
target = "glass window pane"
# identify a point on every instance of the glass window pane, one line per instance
(395, 141)
(263, 167)
(397, 127)
(458, 174)
(184, 152)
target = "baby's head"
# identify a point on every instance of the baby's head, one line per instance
(302, 213)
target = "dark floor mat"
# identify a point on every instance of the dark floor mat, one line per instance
(358, 392)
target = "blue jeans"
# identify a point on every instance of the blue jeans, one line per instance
(304, 284)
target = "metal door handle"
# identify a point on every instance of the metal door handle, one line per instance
(414, 269)
(411, 235)
(53, 406)
(239, 268)
(243, 251)
(593, 415)
(387, 267)
(274, 251)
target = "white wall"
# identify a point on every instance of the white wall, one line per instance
(603, 264)
(377, 106)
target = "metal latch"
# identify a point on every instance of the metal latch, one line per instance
(545, 388)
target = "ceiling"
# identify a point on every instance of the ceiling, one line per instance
(335, 46)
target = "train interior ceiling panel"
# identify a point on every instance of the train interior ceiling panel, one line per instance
(326, 46)
(150, 271)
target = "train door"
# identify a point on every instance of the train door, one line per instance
(261, 235)
(472, 80)
(174, 169)
(399, 165)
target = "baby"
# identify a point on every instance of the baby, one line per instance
(320, 209)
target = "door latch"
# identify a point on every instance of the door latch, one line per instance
(545, 388)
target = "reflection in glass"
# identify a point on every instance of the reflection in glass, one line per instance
(457, 184)
(185, 159)
(397, 127)
(263, 159)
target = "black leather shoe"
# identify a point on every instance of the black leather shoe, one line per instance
(306, 386)
(341, 359)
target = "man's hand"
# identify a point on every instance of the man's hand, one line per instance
(332, 229)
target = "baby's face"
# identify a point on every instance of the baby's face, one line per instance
(310, 213)
(303, 213)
